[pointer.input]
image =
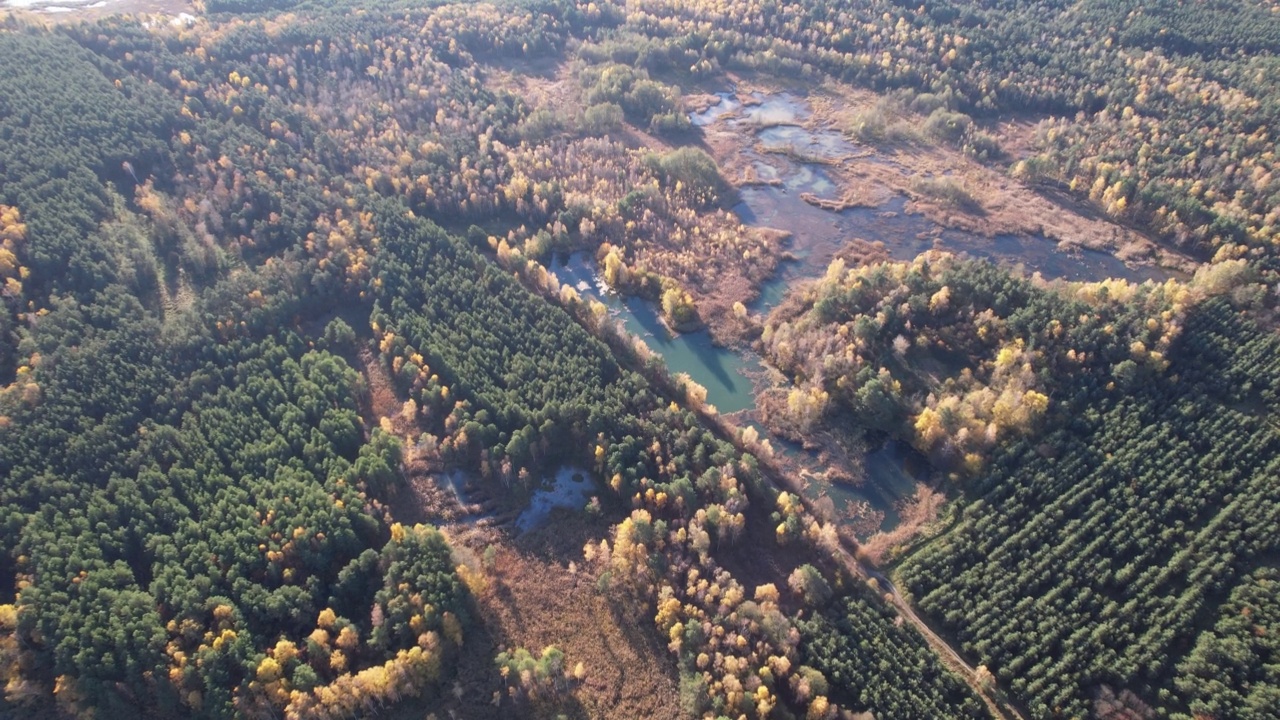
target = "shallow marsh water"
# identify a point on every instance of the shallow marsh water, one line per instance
(816, 235)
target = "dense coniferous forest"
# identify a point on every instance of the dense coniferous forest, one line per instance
(215, 537)
(1230, 671)
(854, 636)
(274, 271)
(1132, 522)
(1115, 442)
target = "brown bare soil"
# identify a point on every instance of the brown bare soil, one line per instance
(850, 200)
(1108, 705)
(535, 597)
(700, 101)
(861, 252)
(1018, 135)
(543, 83)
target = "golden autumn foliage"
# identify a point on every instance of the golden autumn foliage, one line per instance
(993, 383)
(351, 694)
(326, 618)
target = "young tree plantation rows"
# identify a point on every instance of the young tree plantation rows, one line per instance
(1091, 555)
(1116, 445)
(204, 225)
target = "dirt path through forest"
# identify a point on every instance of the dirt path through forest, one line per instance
(950, 657)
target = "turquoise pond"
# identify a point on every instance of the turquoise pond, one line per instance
(722, 372)
(816, 235)
(726, 373)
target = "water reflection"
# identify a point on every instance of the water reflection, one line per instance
(893, 470)
(728, 103)
(759, 110)
(780, 109)
(723, 372)
(818, 234)
(812, 180)
(804, 143)
(570, 488)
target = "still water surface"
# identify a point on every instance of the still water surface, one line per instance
(816, 236)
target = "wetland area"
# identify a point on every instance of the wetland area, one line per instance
(75, 10)
(791, 160)
(637, 359)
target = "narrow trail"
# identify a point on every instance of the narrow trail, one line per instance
(382, 400)
(950, 657)
(728, 432)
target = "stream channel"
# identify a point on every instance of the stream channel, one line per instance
(892, 470)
